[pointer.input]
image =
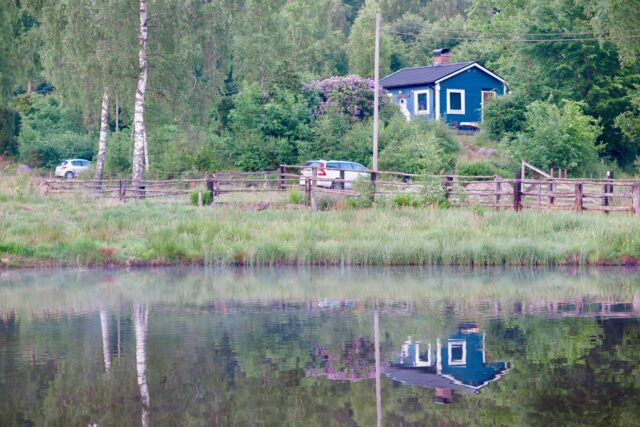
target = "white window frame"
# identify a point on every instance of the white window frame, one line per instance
(415, 102)
(463, 361)
(462, 104)
(482, 92)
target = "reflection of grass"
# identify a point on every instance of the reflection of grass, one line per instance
(77, 231)
(37, 293)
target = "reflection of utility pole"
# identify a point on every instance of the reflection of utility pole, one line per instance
(376, 333)
(376, 77)
(104, 328)
(140, 316)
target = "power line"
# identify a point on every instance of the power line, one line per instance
(517, 40)
(503, 33)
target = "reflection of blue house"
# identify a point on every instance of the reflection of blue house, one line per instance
(458, 362)
(453, 92)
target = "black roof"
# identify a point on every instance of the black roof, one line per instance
(421, 75)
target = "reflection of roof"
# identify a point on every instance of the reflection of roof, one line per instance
(426, 378)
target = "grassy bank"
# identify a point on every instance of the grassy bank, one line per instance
(51, 231)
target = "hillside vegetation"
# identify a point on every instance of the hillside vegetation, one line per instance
(253, 83)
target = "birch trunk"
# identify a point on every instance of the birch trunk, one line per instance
(102, 144)
(117, 114)
(146, 152)
(140, 316)
(106, 351)
(138, 115)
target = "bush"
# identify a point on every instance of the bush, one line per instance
(50, 132)
(476, 168)
(296, 197)
(504, 116)
(119, 151)
(8, 130)
(419, 148)
(207, 197)
(558, 137)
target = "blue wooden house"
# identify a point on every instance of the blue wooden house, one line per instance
(443, 91)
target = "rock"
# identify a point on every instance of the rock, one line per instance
(23, 169)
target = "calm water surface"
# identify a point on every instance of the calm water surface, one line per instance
(300, 348)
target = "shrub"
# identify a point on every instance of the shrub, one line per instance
(353, 96)
(417, 147)
(207, 197)
(504, 116)
(118, 156)
(8, 130)
(476, 168)
(296, 197)
(558, 137)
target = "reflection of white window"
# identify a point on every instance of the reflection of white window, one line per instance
(457, 353)
(455, 101)
(421, 101)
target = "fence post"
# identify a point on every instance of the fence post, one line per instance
(374, 179)
(312, 191)
(281, 178)
(447, 183)
(210, 187)
(307, 191)
(551, 187)
(517, 192)
(341, 186)
(635, 198)
(123, 189)
(200, 199)
(607, 188)
(496, 197)
(579, 197)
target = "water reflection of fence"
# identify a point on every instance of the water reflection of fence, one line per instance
(546, 193)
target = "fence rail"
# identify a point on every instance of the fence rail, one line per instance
(545, 193)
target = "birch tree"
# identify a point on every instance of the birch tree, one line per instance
(102, 144)
(139, 131)
(87, 62)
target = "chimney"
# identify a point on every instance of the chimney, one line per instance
(441, 56)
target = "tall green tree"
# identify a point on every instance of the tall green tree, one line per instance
(361, 46)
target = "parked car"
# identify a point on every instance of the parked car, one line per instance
(329, 172)
(71, 168)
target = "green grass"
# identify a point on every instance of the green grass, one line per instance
(54, 231)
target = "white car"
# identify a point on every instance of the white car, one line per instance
(329, 172)
(71, 168)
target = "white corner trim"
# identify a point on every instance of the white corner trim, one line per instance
(437, 102)
(415, 102)
(462, 104)
(472, 65)
(457, 362)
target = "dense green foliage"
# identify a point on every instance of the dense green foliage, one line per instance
(231, 83)
(558, 137)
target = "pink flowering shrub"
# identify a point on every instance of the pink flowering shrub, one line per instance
(353, 95)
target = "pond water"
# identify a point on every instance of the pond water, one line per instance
(272, 347)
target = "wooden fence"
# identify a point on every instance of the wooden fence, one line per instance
(548, 193)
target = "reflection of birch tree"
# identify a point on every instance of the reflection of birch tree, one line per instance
(104, 327)
(140, 316)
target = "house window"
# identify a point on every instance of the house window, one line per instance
(457, 353)
(421, 101)
(455, 101)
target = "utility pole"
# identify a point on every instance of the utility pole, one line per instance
(376, 76)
